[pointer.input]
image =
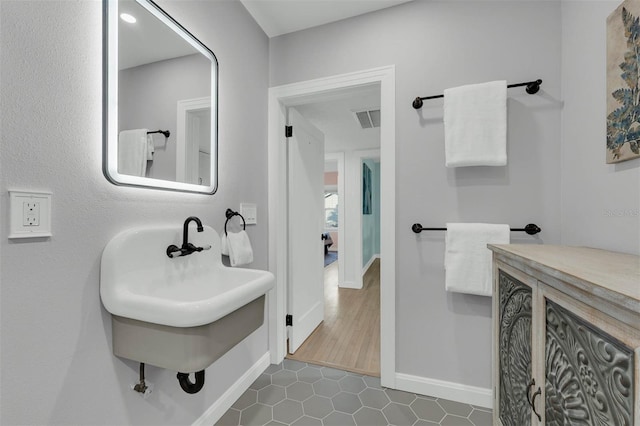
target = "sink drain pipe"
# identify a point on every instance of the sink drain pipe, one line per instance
(187, 385)
(141, 386)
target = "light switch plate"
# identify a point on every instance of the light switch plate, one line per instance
(30, 214)
(250, 213)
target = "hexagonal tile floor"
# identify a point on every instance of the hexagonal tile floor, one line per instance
(299, 394)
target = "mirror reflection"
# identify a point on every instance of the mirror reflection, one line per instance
(162, 106)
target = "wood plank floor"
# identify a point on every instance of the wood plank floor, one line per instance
(349, 337)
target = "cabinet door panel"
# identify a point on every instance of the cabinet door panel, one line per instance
(514, 348)
(589, 374)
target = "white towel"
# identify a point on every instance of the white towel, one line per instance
(151, 148)
(475, 125)
(240, 252)
(132, 152)
(467, 259)
(224, 244)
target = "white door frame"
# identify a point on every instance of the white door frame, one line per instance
(187, 150)
(280, 98)
(338, 157)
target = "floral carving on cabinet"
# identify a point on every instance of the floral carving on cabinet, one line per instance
(589, 374)
(623, 91)
(515, 351)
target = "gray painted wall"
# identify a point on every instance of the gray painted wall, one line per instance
(57, 366)
(600, 202)
(142, 105)
(435, 45)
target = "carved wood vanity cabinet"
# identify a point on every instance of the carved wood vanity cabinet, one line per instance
(566, 336)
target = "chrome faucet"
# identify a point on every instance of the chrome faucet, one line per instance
(187, 248)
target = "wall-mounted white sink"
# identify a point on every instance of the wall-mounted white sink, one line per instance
(139, 281)
(179, 313)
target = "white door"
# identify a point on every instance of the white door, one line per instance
(306, 223)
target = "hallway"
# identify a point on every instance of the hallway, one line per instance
(349, 336)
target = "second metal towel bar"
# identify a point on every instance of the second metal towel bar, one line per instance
(530, 229)
(532, 88)
(166, 133)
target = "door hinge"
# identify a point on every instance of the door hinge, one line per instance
(288, 320)
(288, 131)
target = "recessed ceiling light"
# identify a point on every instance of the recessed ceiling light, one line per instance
(128, 18)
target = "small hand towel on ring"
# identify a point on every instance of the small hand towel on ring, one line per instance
(224, 244)
(475, 125)
(240, 251)
(467, 260)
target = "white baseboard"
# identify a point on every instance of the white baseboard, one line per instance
(222, 404)
(481, 397)
(349, 284)
(369, 263)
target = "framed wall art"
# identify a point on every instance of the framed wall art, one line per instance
(623, 91)
(366, 189)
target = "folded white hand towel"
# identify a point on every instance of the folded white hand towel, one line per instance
(224, 244)
(240, 251)
(132, 152)
(151, 148)
(475, 125)
(467, 259)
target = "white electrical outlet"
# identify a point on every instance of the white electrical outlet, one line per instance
(30, 214)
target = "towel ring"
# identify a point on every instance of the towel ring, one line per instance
(229, 214)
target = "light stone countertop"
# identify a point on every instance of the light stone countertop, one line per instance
(614, 276)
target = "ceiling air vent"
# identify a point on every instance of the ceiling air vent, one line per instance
(368, 119)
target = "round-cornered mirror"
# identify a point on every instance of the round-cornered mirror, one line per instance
(160, 101)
